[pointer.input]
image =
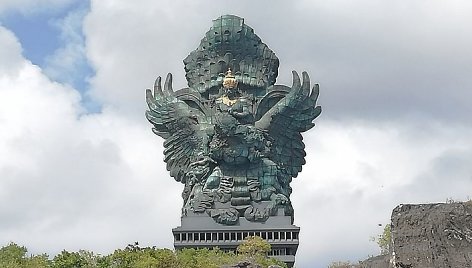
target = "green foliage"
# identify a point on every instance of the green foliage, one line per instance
(253, 246)
(256, 249)
(68, 260)
(266, 262)
(39, 261)
(134, 256)
(83, 259)
(384, 240)
(195, 258)
(14, 256)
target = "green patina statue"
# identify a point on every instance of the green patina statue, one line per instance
(233, 137)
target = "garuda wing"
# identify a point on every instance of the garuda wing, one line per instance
(182, 127)
(284, 122)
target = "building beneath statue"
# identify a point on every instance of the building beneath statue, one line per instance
(201, 231)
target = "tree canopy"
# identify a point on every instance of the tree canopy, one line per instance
(134, 256)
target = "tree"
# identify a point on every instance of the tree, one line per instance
(14, 256)
(256, 249)
(134, 256)
(82, 259)
(384, 240)
(11, 255)
(67, 259)
(253, 246)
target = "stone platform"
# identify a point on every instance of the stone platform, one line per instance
(201, 231)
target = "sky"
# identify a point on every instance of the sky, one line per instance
(81, 169)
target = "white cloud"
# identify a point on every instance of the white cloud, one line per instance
(67, 64)
(378, 61)
(70, 180)
(11, 56)
(128, 45)
(357, 173)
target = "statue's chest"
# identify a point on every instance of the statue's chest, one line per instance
(235, 152)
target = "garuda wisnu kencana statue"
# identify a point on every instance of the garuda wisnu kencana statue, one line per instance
(233, 137)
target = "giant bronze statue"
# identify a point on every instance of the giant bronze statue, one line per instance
(233, 137)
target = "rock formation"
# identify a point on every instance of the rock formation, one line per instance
(429, 235)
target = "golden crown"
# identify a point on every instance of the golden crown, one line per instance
(230, 81)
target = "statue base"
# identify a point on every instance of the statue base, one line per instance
(201, 231)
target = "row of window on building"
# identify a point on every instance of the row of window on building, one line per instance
(235, 236)
(272, 252)
(279, 252)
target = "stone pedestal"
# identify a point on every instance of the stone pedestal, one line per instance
(201, 231)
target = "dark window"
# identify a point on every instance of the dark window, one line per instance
(208, 236)
(289, 235)
(214, 238)
(239, 236)
(264, 235)
(184, 237)
(276, 235)
(220, 236)
(270, 235)
(295, 235)
(177, 237)
(233, 236)
(282, 235)
(226, 236)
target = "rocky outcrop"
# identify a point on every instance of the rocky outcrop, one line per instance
(432, 235)
(427, 236)
(382, 261)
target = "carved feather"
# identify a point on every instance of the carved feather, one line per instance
(182, 127)
(284, 121)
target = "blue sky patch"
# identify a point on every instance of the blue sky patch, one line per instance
(53, 40)
(37, 37)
